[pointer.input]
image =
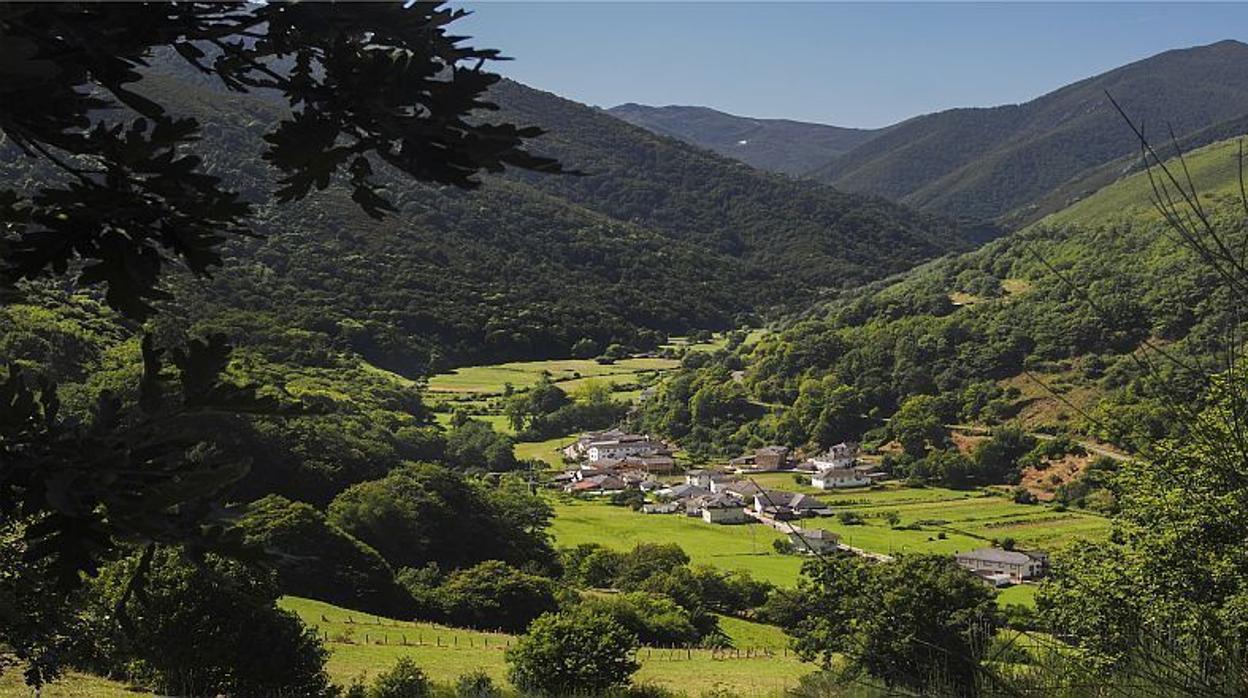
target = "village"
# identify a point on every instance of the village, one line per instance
(643, 471)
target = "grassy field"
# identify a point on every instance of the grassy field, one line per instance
(746, 546)
(362, 645)
(477, 389)
(945, 522)
(72, 685)
(491, 379)
(1021, 594)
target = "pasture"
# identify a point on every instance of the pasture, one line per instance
(741, 547)
(492, 379)
(478, 389)
(929, 520)
(362, 645)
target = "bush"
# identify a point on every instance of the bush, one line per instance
(576, 652)
(495, 596)
(199, 629)
(318, 560)
(477, 684)
(655, 619)
(849, 518)
(403, 680)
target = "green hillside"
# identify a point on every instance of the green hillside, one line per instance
(657, 237)
(986, 162)
(1214, 170)
(994, 333)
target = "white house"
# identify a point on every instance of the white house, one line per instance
(621, 447)
(838, 478)
(814, 540)
(712, 480)
(1017, 564)
(842, 455)
(723, 509)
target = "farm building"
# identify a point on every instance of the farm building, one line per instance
(765, 458)
(814, 541)
(837, 478)
(784, 506)
(597, 484)
(722, 509)
(842, 455)
(708, 478)
(612, 444)
(1018, 565)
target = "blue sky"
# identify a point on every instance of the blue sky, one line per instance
(854, 64)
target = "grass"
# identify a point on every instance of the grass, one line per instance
(446, 653)
(492, 379)
(1019, 594)
(547, 450)
(944, 522)
(72, 685)
(1213, 168)
(477, 389)
(744, 547)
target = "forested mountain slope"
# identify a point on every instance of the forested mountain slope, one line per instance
(994, 334)
(656, 237)
(779, 145)
(986, 162)
(795, 235)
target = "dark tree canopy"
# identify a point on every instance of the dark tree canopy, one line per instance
(119, 193)
(367, 83)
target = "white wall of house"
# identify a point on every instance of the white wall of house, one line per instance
(835, 479)
(599, 452)
(724, 515)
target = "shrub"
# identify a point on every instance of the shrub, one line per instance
(653, 618)
(493, 595)
(573, 652)
(849, 518)
(403, 680)
(318, 560)
(199, 629)
(477, 684)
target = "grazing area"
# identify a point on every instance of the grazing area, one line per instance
(929, 520)
(361, 645)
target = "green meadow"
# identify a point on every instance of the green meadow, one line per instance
(492, 379)
(930, 520)
(478, 389)
(361, 645)
(741, 547)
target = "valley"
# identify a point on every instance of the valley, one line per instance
(334, 364)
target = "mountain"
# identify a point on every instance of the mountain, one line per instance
(655, 237)
(987, 163)
(996, 335)
(778, 145)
